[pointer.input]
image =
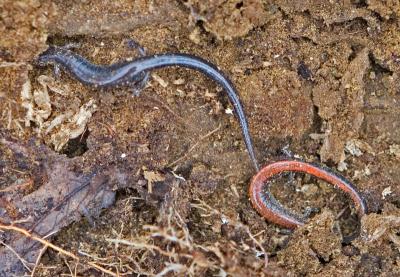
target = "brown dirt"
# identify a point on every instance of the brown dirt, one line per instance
(319, 79)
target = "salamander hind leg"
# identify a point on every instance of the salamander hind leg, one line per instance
(140, 80)
(57, 67)
(57, 70)
(140, 83)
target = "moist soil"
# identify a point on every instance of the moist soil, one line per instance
(157, 183)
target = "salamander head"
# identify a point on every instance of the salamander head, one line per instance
(47, 56)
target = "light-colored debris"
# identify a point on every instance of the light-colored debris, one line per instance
(228, 111)
(195, 35)
(74, 126)
(58, 129)
(387, 191)
(82, 117)
(394, 150)
(26, 97)
(179, 81)
(37, 105)
(309, 189)
(10, 64)
(342, 166)
(209, 94)
(358, 174)
(361, 145)
(178, 176)
(375, 226)
(42, 103)
(50, 83)
(316, 136)
(352, 148)
(58, 120)
(267, 64)
(159, 80)
(151, 177)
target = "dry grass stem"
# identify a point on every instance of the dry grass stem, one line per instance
(54, 247)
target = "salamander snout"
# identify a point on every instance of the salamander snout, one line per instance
(46, 57)
(41, 61)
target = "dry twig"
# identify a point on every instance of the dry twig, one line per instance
(54, 247)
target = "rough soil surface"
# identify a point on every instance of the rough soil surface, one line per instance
(156, 184)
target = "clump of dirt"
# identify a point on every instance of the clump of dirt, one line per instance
(275, 92)
(316, 249)
(23, 25)
(351, 101)
(228, 19)
(102, 19)
(157, 184)
(15, 82)
(386, 9)
(314, 245)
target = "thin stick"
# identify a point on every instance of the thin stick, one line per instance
(54, 247)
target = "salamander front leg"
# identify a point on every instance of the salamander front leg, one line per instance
(57, 70)
(57, 67)
(140, 84)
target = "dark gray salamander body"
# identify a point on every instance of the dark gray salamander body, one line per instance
(130, 72)
(115, 75)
